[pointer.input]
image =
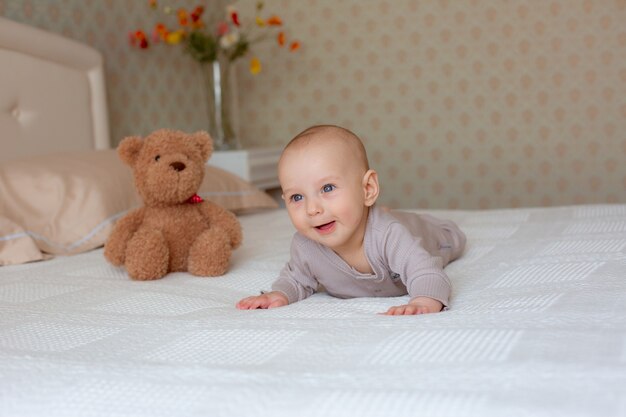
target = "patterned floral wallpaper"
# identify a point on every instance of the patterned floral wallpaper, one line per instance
(461, 103)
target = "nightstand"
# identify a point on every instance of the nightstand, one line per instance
(256, 165)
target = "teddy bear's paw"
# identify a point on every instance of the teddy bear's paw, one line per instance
(146, 269)
(114, 255)
(209, 256)
(214, 270)
(147, 256)
(145, 272)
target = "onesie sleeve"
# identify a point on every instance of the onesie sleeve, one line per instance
(296, 280)
(421, 272)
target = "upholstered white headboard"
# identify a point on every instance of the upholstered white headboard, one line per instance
(52, 93)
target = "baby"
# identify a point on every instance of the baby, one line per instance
(347, 244)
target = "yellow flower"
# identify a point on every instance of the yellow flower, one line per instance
(174, 37)
(260, 22)
(255, 66)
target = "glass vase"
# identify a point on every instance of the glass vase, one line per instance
(221, 100)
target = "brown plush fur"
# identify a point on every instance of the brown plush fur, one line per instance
(169, 234)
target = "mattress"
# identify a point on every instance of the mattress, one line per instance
(537, 327)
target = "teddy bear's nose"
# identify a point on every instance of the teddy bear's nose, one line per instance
(178, 166)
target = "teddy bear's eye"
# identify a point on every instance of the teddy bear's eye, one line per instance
(156, 158)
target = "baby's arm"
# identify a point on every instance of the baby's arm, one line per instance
(417, 305)
(268, 300)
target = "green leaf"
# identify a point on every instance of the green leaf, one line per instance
(201, 47)
(240, 49)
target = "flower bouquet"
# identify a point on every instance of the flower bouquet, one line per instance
(215, 43)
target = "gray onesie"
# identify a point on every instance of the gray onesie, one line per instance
(406, 251)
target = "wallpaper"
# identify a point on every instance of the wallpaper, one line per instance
(460, 104)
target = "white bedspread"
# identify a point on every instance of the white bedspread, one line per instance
(537, 327)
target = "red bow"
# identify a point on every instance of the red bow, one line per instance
(194, 199)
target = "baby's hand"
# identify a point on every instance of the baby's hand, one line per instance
(268, 300)
(418, 305)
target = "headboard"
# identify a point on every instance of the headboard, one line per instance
(52, 93)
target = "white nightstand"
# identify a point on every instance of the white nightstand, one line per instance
(256, 165)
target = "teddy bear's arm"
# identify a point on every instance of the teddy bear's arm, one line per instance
(115, 247)
(218, 216)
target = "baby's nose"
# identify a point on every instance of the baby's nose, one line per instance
(178, 166)
(313, 208)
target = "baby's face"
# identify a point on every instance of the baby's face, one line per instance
(323, 189)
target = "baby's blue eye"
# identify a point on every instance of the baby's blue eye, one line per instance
(296, 197)
(328, 188)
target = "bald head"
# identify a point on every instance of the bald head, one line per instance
(325, 167)
(331, 135)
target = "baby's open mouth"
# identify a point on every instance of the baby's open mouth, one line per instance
(325, 226)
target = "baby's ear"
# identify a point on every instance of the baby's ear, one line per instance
(204, 143)
(129, 148)
(370, 187)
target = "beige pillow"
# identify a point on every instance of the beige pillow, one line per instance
(67, 203)
(16, 246)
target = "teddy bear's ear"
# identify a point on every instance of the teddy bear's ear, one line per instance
(129, 148)
(204, 143)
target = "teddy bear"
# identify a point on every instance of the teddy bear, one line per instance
(175, 229)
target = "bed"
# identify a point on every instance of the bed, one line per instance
(537, 324)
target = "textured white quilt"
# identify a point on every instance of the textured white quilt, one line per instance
(537, 327)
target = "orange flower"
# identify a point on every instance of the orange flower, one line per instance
(139, 39)
(281, 38)
(153, 3)
(183, 17)
(274, 21)
(160, 32)
(295, 45)
(196, 15)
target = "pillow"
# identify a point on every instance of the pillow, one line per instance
(16, 246)
(67, 203)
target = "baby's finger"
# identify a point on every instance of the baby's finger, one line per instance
(253, 303)
(401, 311)
(391, 311)
(246, 303)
